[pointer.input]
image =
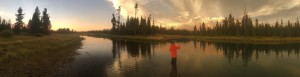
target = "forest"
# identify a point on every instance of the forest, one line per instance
(247, 27)
(37, 25)
(227, 27)
(144, 26)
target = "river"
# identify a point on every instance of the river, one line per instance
(103, 57)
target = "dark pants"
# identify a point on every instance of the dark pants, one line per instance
(174, 61)
(173, 72)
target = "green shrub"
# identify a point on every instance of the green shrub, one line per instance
(7, 33)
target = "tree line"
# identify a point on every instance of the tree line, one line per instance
(139, 26)
(227, 27)
(5, 24)
(133, 25)
(37, 24)
(246, 27)
(65, 30)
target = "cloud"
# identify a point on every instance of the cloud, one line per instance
(168, 12)
(275, 6)
(184, 13)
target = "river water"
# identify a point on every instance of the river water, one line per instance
(102, 57)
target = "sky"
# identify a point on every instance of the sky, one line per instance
(83, 15)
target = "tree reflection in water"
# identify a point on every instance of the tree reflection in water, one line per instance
(230, 50)
(139, 51)
(133, 48)
(247, 51)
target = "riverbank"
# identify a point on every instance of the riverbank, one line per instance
(229, 39)
(36, 56)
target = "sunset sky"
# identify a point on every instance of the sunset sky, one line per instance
(83, 15)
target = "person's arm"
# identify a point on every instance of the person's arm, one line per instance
(178, 47)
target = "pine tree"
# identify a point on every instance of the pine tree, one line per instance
(152, 28)
(29, 24)
(238, 30)
(0, 20)
(195, 28)
(46, 23)
(203, 29)
(136, 8)
(2, 25)
(149, 25)
(118, 26)
(231, 23)
(289, 28)
(276, 30)
(19, 24)
(35, 27)
(114, 23)
(297, 25)
(8, 25)
(143, 26)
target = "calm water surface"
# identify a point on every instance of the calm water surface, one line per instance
(100, 57)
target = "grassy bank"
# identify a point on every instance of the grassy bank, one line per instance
(230, 39)
(36, 56)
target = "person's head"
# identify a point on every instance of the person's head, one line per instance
(173, 42)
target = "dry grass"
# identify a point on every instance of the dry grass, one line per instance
(36, 56)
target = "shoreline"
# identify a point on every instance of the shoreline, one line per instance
(225, 39)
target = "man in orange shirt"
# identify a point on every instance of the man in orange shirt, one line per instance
(173, 50)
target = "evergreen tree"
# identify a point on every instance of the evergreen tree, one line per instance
(29, 24)
(203, 29)
(118, 26)
(152, 28)
(297, 28)
(46, 23)
(136, 9)
(143, 26)
(19, 24)
(195, 28)
(114, 23)
(35, 26)
(238, 28)
(276, 28)
(231, 23)
(149, 25)
(225, 26)
(289, 29)
(2, 25)
(0, 20)
(256, 27)
(8, 25)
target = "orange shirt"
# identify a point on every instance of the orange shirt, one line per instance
(173, 50)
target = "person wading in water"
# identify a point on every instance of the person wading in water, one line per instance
(173, 50)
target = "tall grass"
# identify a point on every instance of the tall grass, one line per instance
(27, 46)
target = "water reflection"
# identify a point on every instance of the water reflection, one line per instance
(134, 56)
(247, 51)
(126, 58)
(133, 48)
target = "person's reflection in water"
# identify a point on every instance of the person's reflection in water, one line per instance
(173, 50)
